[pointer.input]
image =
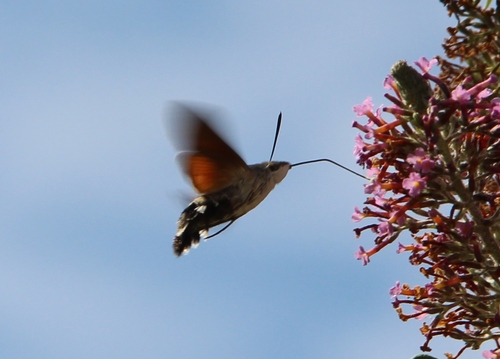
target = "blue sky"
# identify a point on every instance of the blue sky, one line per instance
(91, 191)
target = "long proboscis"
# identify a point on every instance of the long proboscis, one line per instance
(332, 162)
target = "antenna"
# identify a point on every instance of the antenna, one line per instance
(328, 160)
(278, 125)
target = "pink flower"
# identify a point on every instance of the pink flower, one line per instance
(490, 354)
(484, 93)
(372, 172)
(396, 290)
(374, 187)
(389, 82)
(419, 309)
(420, 161)
(460, 94)
(364, 108)
(480, 91)
(495, 108)
(385, 228)
(358, 145)
(357, 215)
(361, 254)
(414, 184)
(379, 198)
(401, 248)
(430, 288)
(369, 127)
(425, 65)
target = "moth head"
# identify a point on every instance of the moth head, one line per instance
(279, 170)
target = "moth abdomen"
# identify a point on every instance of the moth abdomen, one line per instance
(202, 213)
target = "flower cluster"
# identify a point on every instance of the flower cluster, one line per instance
(434, 170)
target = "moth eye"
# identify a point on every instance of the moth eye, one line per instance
(274, 166)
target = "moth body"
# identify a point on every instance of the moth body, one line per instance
(227, 204)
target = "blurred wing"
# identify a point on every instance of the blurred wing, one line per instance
(209, 174)
(210, 163)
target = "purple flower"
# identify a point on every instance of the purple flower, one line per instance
(495, 108)
(480, 91)
(414, 184)
(379, 198)
(430, 288)
(361, 254)
(357, 215)
(385, 228)
(401, 248)
(490, 354)
(369, 128)
(396, 290)
(358, 146)
(419, 309)
(364, 108)
(480, 87)
(460, 94)
(420, 161)
(389, 82)
(372, 172)
(425, 65)
(484, 93)
(374, 187)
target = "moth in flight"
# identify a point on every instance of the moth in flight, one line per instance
(228, 187)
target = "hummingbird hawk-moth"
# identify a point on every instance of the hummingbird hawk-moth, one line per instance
(228, 188)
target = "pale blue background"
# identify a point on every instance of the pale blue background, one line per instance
(90, 191)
